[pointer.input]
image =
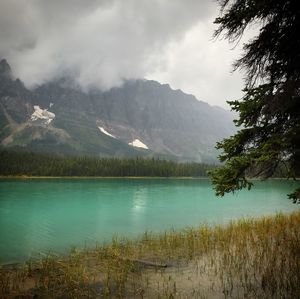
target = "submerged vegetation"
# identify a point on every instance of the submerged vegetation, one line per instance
(15, 163)
(245, 259)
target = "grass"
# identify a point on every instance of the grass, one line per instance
(249, 258)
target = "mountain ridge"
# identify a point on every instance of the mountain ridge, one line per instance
(162, 121)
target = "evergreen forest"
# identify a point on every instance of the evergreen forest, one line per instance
(14, 163)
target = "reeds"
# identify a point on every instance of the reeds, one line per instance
(246, 259)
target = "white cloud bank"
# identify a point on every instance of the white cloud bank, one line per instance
(103, 43)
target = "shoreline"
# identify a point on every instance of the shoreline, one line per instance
(134, 239)
(134, 177)
(101, 177)
(156, 234)
(202, 262)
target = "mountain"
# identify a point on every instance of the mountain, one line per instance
(141, 118)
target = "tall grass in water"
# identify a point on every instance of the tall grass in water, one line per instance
(245, 259)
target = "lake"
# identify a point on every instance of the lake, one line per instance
(38, 216)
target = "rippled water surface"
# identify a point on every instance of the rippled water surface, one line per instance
(52, 215)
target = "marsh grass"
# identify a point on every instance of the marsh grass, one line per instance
(245, 259)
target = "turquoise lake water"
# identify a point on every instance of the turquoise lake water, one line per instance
(38, 216)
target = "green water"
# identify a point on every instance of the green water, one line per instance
(52, 215)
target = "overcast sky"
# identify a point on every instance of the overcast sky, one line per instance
(104, 42)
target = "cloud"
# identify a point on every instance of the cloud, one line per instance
(201, 65)
(103, 43)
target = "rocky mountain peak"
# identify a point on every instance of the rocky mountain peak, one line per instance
(5, 69)
(141, 118)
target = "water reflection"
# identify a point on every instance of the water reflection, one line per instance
(140, 199)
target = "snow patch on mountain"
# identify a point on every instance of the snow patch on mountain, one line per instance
(105, 132)
(42, 114)
(138, 143)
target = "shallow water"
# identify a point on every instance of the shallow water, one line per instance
(52, 215)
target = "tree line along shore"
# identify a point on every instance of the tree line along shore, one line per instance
(14, 163)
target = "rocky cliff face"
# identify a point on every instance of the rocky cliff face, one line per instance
(141, 118)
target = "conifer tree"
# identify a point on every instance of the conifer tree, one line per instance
(268, 138)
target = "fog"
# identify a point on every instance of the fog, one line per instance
(102, 43)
